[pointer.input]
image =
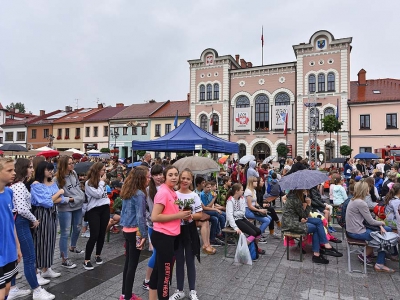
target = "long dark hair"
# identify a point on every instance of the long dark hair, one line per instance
(62, 170)
(392, 192)
(93, 175)
(21, 169)
(235, 187)
(155, 170)
(136, 180)
(39, 174)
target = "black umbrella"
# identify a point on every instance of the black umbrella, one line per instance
(338, 160)
(13, 147)
(83, 167)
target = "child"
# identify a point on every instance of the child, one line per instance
(273, 190)
(10, 252)
(222, 192)
(114, 213)
(339, 193)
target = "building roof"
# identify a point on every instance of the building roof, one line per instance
(77, 115)
(47, 118)
(137, 111)
(105, 114)
(14, 122)
(375, 90)
(170, 109)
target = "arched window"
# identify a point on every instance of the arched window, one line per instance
(215, 125)
(311, 83)
(242, 150)
(209, 92)
(321, 83)
(242, 101)
(331, 82)
(282, 98)
(203, 122)
(314, 118)
(329, 111)
(216, 91)
(262, 113)
(202, 92)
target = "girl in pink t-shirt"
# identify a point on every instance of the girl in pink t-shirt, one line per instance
(166, 219)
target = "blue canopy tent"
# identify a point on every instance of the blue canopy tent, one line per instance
(187, 137)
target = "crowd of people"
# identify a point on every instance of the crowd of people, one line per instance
(170, 209)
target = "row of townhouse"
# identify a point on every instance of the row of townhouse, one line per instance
(95, 128)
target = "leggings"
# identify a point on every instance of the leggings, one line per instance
(274, 216)
(182, 254)
(161, 275)
(152, 260)
(98, 218)
(131, 263)
(248, 228)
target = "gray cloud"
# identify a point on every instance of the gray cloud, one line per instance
(53, 52)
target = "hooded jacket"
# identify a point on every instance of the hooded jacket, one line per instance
(251, 171)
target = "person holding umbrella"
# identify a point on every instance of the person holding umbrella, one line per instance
(70, 213)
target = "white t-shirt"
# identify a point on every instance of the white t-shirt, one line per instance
(253, 195)
(196, 207)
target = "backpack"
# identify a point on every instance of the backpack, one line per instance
(253, 251)
(341, 213)
(379, 211)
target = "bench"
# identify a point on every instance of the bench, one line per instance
(229, 232)
(297, 236)
(358, 244)
(334, 212)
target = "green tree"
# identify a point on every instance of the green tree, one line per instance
(331, 124)
(282, 150)
(105, 150)
(345, 150)
(141, 153)
(18, 105)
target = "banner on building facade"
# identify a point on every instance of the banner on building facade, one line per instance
(242, 118)
(279, 115)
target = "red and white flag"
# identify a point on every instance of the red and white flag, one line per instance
(286, 123)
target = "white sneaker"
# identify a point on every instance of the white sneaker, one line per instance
(193, 295)
(41, 280)
(16, 293)
(41, 294)
(50, 274)
(177, 295)
(276, 235)
(19, 275)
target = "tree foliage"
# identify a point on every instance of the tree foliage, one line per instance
(105, 150)
(141, 153)
(282, 150)
(331, 124)
(345, 150)
(18, 105)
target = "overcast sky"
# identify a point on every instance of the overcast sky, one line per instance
(53, 52)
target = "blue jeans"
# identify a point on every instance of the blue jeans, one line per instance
(221, 219)
(214, 228)
(28, 251)
(264, 220)
(366, 236)
(68, 219)
(315, 226)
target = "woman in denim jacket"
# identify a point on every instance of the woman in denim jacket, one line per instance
(133, 220)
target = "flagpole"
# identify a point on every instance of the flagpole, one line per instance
(262, 45)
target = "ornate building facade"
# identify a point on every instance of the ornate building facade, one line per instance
(248, 104)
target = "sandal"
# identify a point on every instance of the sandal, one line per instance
(209, 250)
(383, 268)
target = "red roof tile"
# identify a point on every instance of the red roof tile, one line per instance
(77, 116)
(136, 111)
(13, 122)
(385, 90)
(105, 114)
(170, 109)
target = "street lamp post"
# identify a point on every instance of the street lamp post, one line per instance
(115, 135)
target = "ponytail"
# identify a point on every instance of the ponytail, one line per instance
(235, 187)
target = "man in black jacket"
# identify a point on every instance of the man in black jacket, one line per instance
(297, 166)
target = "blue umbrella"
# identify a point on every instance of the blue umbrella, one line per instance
(366, 155)
(135, 164)
(302, 180)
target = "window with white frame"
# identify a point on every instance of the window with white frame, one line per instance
(242, 101)
(282, 98)
(216, 91)
(202, 92)
(365, 122)
(331, 82)
(209, 92)
(321, 82)
(391, 121)
(203, 122)
(311, 83)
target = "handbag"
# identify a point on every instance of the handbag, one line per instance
(258, 214)
(371, 227)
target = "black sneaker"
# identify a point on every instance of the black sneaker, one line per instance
(88, 265)
(215, 243)
(222, 243)
(320, 260)
(145, 285)
(333, 252)
(99, 261)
